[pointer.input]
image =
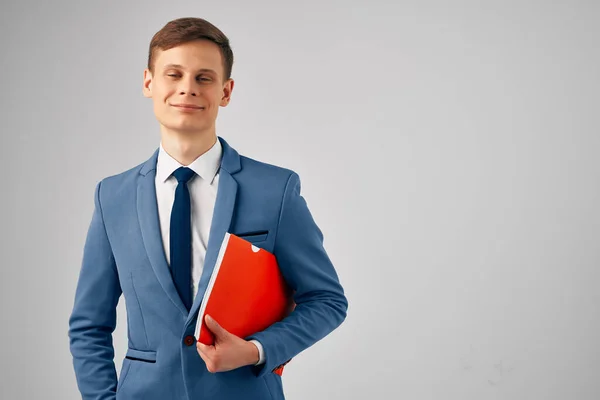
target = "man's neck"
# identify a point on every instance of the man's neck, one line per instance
(185, 148)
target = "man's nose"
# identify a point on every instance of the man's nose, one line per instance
(188, 87)
(191, 92)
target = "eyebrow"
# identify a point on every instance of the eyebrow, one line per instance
(181, 67)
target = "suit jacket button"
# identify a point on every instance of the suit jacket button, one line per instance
(189, 340)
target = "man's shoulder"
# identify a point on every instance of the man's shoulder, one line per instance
(117, 183)
(263, 170)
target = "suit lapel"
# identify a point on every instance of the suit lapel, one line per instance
(221, 221)
(147, 209)
(223, 212)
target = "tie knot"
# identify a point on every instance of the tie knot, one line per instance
(183, 174)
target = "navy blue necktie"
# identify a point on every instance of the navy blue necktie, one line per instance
(181, 237)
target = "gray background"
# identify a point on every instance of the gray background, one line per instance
(448, 151)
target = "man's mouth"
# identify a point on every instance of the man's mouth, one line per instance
(188, 106)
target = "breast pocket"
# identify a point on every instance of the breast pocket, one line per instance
(254, 236)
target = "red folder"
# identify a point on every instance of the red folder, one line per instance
(246, 292)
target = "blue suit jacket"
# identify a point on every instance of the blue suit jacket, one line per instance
(123, 254)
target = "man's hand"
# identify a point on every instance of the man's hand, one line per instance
(229, 351)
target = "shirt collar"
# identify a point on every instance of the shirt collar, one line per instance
(206, 165)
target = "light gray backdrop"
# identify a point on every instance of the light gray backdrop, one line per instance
(448, 151)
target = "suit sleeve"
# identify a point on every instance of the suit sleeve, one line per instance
(320, 301)
(93, 318)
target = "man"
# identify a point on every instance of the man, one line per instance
(155, 234)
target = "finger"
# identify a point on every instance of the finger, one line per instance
(204, 351)
(202, 354)
(214, 327)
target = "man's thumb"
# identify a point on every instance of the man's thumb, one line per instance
(214, 326)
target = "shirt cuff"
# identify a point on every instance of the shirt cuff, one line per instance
(261, 352)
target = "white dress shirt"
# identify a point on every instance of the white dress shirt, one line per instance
(203, 193)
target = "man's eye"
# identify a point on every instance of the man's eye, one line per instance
(204, 79)
(172, 75)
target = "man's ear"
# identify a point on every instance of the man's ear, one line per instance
(147, 88)
(227, 89)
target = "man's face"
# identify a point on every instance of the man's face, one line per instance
(191, 73)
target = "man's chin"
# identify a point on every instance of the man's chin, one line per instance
(186, 129)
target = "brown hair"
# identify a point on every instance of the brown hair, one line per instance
(182, 30)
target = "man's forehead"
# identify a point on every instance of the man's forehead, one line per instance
(193, 60)
(198, 49)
